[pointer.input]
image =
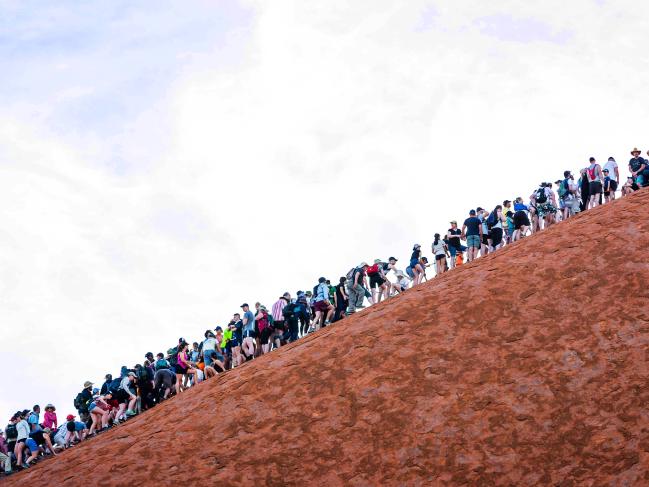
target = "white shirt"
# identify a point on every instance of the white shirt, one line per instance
(611, 165)
(22, 427)
(209, 344)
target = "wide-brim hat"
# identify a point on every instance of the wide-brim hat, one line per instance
(87, 384)
(50, 406)
(636, 150)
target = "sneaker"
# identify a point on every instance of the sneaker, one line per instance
(130, 413)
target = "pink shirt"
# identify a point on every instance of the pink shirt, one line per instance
(50, 421)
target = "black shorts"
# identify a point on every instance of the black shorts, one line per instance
(612, 186)
(179, 370)
(376, 281)
(265, 335)
(279, 325)
(496, 236)
(121, 396)
(594, 187)
(485, 239)
(440, 257)
(249, 334)
(521, 220)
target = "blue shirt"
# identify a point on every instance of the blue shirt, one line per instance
(472, 226)
(250, 321)
(323, 292)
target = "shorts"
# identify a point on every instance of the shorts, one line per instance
(521, 220)
(91, 407)
(473, 241)
(208, 356)
(249, 334)
(376, 281)
(31, 444)
(453, 250)
(279, 325)
(234, 342)
(79, 426)
(321, 306)
(22, 440)
(265, 335)
(594, 187)
(612, 186)
(440, 257)
(485, 239)
(496, 236)
(122, 396)
(179, 370)
(546, 209)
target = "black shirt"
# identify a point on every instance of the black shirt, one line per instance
(636, 163)
(473, 224)
(454, 241)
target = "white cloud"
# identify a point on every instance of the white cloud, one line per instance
(156, 174)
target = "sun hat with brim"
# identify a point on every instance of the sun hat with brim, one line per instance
(87, 384)
(635, 151)
(50, 406)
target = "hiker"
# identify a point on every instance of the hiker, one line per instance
(613, 171)
(341, 300)
(164, 383)
(485, 240)
(126, 396)
(262, 319)
(324, 310)
(472, 231)
(99, 412)
(108, 378)
(378, 282)
(184, 368)
(279, 324)
(49, 418)
(82, 399)
(594, 175)
(5, 456)
(22, 429)
(355, 288)
(453, 235)
(210, 355)
(495, 222)
(302, 312)
(545, 205)
(584, 190)
(629, 186)
(289, 312)
(415, 265)
(248, 345)
(521, 220)
(440, 251)
(639, 168)
(402, 282)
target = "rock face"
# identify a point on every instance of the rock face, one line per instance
(528, 367)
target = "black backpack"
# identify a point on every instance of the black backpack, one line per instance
(11, 432)
(114, 385)
(541, 197)
(289, 311)
(142, 375)
(79, 402)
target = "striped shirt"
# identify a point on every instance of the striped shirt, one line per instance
(276, 310)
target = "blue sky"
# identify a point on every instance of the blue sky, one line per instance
(153, 153)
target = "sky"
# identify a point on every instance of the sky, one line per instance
(163, 162)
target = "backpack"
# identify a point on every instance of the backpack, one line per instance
(289, 311)
(79, 403)
(492, 220)
(173, 355)
(541, 197)
(350, 275)
(373, 269)
(563, 189)
(161, 364)
(262, 323)
(11, 431)
(142, 375)
(114, 386)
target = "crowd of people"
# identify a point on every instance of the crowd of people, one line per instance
(256, 330)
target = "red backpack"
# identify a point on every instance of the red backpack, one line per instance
(262, 323)
(373, 269)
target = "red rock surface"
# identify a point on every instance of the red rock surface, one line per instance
(529, 367)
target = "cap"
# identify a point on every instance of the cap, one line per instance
(605, 170)
(417, 246)
(453, 222)
(218, 328)
(95, 390)
(131, 374)
(70, 417)
(472, 212)
(591, 159)
(377, 261)
(244, 305)
(87, 384)
(148, 354)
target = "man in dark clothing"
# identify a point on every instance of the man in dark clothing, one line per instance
(639, 168)
(86, 398)
(106, 384)
(453, 236)
(472, 231)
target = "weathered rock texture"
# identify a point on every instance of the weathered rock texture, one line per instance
(528, 367)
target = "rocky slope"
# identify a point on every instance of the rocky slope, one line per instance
(526, 367)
